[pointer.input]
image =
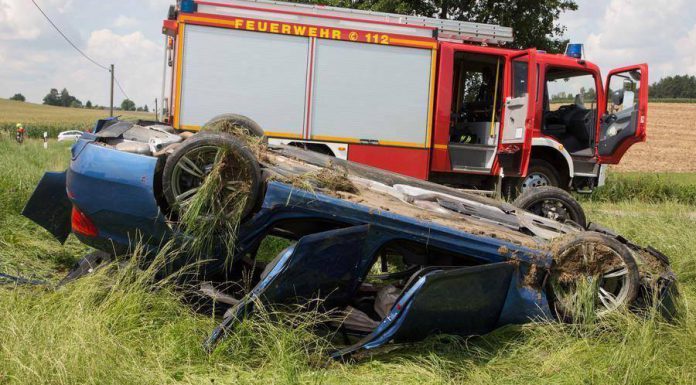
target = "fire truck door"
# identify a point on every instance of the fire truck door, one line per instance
(623, 122)
(520, 106)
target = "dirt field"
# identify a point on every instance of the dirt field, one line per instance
(671, 145)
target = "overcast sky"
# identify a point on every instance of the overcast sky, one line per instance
(34, 58)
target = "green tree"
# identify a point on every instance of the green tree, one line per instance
(535, 22)
(127, 105)
(88, 104)
(52, 98)
(674, 87)
(67, 100)
(146, 109)
(18, 97)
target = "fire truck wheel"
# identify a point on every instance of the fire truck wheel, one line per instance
(231, 123)
(539, 174)
(553, 203)
(191, 164)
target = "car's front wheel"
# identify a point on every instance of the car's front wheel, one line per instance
(553, 203)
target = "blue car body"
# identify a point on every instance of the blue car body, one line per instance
(117, 191)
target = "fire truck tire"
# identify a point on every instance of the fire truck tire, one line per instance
(191, 163)
(231, 122)
(539, 174)
(553, 203)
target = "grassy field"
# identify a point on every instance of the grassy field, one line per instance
(118, 329)
(38, 118)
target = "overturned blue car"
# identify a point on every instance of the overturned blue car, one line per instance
(399, 258)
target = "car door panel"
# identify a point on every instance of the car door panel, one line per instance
(463, 301)
(329, 265)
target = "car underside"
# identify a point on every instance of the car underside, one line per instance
(397, 257)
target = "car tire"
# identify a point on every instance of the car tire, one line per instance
(572, 251)
(240, 152)
(87, 265)
(230, 122)
(553, 203)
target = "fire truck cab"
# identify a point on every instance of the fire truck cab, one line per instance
(434, 99)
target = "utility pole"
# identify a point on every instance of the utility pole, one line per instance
(111, 109)
(156, 113)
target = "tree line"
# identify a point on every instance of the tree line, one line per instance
(64, 99)
(674, 87)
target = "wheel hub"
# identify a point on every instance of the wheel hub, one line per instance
(535, 179)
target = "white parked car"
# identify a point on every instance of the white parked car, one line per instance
(69, 135)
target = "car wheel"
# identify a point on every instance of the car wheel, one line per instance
(591, 275)
(553, 203)
(232, 123)
(191, 163)
(87, 265)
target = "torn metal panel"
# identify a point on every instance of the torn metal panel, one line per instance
(49, 206)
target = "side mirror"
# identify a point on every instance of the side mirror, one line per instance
(617, 97)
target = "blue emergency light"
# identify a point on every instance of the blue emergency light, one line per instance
(188, 6)
(575, 50)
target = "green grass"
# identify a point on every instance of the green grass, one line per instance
(118, 329)
(39, 118)
(650, 188)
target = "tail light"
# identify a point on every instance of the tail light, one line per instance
(81, 224)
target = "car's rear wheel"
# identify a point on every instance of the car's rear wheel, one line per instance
(219, 155)
(592, 275)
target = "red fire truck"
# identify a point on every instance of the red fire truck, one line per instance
(435, 99)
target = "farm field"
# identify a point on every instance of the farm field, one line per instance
(117, 329)
(671, 141)
(38, 118)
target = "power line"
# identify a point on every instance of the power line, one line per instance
(67, 39)
(78, 49)
(121, 88)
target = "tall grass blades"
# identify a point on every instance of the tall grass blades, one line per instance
(650, 188)
(211, 216)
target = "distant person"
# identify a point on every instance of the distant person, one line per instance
(20, 133)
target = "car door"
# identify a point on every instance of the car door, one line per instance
(624, 118)
(329, 265)
(463, 301)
